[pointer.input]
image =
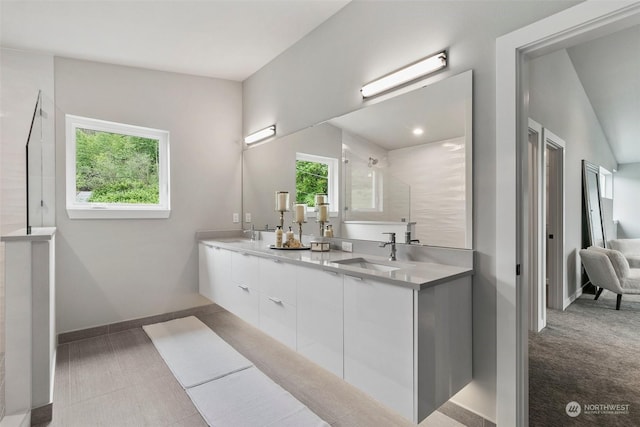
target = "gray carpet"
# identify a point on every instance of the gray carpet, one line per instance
(590, 354)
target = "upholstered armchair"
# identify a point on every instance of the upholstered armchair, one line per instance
(630, 248)
(609, 269)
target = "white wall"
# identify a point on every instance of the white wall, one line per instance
(436, 171)
(114, 270)
(626, 203)
(320, 77)
(559, 103)
(22, 74)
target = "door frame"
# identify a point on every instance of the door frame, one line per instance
(534, 236)
(533, 175)
(581, 22)
(556, 299)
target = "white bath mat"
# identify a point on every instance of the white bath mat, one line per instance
(250, 398)
(194, 353)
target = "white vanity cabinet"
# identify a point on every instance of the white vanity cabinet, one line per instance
(411, 350)
(378, 341)
(407, 345)
(214, 274)
(278, 300)
(320, 311)
(244, 292)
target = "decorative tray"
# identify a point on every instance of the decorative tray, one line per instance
(304, 248)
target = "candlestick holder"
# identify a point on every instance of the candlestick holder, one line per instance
(300, 231)
(282, 205)
(300, 217)
(322, 212)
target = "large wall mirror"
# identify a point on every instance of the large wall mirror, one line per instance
(403, 164)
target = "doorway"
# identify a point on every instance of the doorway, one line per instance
(545, 223)
(583, 20)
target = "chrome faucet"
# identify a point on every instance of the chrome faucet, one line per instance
(252, 231)
(408, 240)
(392, 242)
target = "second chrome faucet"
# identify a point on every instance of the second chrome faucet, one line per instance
(392, 242)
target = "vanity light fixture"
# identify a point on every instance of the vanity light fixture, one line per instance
(410, 72)
(260, 135)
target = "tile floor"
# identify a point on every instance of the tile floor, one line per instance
(119, 379)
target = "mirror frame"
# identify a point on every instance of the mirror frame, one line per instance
(589, 170)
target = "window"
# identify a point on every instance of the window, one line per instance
(316, 175)
(606, 183)
(116, 170)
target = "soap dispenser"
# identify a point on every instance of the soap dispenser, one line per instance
(279, 234)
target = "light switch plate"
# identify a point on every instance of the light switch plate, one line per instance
(236, 218)
(347, 246)
(247, 217)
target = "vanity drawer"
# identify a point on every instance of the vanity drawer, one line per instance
(244, 302)
(278, 280)
(278, 319)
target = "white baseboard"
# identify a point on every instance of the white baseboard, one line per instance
(577, 294)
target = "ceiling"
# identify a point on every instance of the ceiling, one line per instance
(234, 39)
(213, 38)
(609, 70)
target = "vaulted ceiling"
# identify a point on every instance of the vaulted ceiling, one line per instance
(609, 69)
(234, 39)
(223, 39)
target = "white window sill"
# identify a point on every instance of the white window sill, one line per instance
(97, 212)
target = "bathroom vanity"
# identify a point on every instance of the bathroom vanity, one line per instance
(398, 330)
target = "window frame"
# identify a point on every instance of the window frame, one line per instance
(77, 210)
(333, 181)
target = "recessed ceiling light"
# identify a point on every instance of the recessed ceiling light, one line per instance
(418, 131)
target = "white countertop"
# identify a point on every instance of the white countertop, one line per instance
(412, 274)
(37, 234)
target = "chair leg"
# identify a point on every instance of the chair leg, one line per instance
(598, 293)
(618, 301)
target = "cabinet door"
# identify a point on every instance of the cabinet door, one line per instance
(205, 270)
(278, 300)
(378, 341)
(215, 274)
(244, 290)
(319, 318)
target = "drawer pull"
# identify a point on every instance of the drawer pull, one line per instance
(354, 277)
(243, 287)
(276, 260)
(276, 300)
(335, 273)
(209, 246)
(244, 254)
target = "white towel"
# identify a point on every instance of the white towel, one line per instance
(194, 353)
(250, 398)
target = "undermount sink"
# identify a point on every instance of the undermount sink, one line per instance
(368, 264)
